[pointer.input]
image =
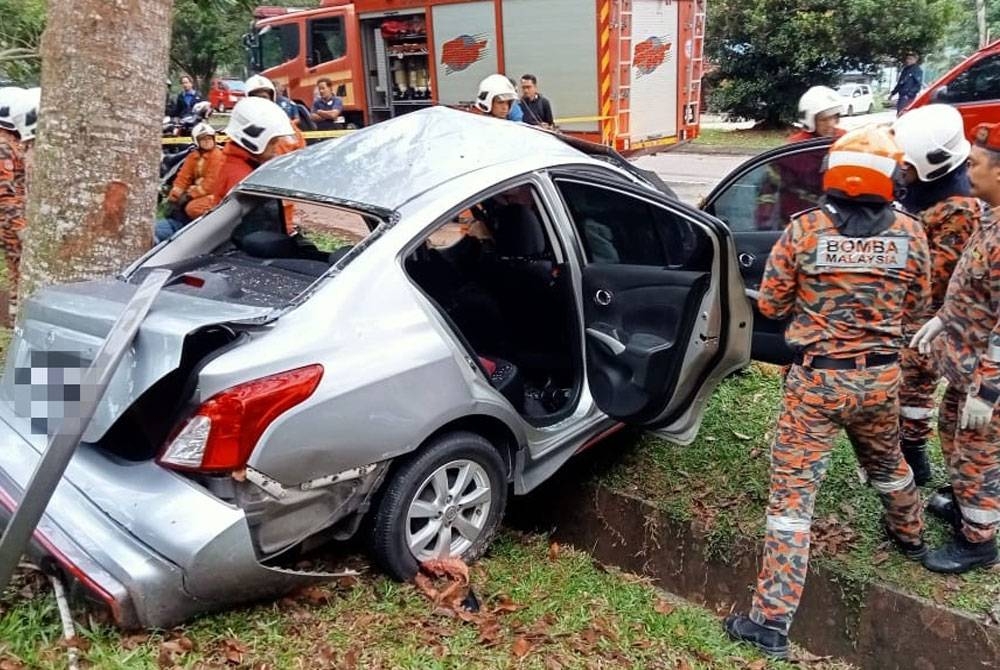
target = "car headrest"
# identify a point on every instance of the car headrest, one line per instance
(517, 231)
(268, 244)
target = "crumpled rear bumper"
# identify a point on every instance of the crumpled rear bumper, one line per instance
(156, 547)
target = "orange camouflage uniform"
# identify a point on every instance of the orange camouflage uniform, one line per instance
(847, 298)
(967, 353)
(13, 191)
(948, 225)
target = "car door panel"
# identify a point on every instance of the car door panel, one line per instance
(756, 201)
(662, 303)
(638, 321)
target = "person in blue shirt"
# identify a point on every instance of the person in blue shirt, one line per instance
(515, 113)
(186, 99)
(910, 81)
(327, 108)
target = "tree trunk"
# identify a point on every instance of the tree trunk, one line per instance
(95, 176)
(981, 22)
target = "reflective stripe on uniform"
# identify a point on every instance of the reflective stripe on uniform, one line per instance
(883, 164)
(993, 350)
(980, 516)
(789, 524)
(893, 485)
(915, 412)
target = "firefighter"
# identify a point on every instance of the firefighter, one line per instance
(257, 128)
(846, 274)
(18, 120)
(937, 191)
(193, 191)
(793, 183)
(259, 86)
(496, 93)
(964, 341)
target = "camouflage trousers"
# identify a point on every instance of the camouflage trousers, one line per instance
(916, 397)
(11, 228)
(973, 459)
(817, 404)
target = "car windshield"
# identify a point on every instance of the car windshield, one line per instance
(845, 90)
(235, 85)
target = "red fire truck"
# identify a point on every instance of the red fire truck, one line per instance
(623, 72)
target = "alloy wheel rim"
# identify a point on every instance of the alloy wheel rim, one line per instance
(449, 511)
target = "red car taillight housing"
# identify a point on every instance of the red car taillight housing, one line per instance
(222, 433)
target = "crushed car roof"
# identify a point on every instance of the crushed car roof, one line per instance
(383, 166)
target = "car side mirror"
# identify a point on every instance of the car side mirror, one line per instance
(940, 94)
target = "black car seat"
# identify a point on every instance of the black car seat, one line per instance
(527, 283)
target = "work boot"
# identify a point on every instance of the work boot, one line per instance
(915, 551)
(769, 640)
(960, 555)
(942, 505)
(915, 455)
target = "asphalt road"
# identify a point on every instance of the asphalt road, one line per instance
(691, 176)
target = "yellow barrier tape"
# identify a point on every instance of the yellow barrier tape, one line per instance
(582, 119)
(222, 137)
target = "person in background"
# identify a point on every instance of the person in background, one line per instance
(794, 183)
(193, 191)
(259, 86)
(18, 120)
(911, 80)
(515, 113)
(938, 192)
(186, 99)
(537, 110)
(496, 93)
(963, 339)
(327, 108)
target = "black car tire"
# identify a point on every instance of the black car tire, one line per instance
(850, 111)
(388, 526)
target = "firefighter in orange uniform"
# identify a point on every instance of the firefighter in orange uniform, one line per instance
(938, 191)
(193, 191)
(846, 274)
(18, 120)
(964, 341)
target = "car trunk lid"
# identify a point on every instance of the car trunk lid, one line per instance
(61, 330)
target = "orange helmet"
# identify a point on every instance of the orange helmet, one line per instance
(863, 165)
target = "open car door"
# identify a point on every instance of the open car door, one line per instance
(756, 201)
(664, 312)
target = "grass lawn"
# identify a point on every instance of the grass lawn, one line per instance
(543, 606)
(741, 139)
(721, 483)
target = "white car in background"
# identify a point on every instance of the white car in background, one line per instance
(858, 99)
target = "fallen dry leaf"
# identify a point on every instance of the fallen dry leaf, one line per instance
(880, 557)
(554, 551)
(453, 568)
(759, 664)
(505, 605)
(663, 607)
(742, 436)
(521, 647)
(234, 651)
(489, 632)
(682, 664)
(351, 659)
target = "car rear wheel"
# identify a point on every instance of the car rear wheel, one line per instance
(850, 111)
(221, 107)
(871, 108)
(448, 500)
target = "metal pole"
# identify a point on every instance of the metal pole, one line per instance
(61, 446)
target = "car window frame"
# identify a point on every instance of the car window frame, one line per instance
(990, 60)
(310, 33)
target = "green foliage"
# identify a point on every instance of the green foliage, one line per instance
(20, 33)
(768, 52)
(206, 37)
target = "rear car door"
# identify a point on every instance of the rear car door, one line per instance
(756, 201)
(664, 315)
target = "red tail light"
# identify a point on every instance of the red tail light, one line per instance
(222, 434)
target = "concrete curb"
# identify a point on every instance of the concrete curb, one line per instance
(870, 625)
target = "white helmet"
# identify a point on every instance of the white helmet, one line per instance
(255, 122)
(202, 129)
(933, 140)
(494, 87)
(258, 82)
(11, 100)
(817, 101)
(27, 121)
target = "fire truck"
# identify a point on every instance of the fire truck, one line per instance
(626, 73)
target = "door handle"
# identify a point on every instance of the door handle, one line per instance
(616, 347)
(746, 260)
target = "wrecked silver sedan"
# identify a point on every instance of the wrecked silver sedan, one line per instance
(516, 299)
